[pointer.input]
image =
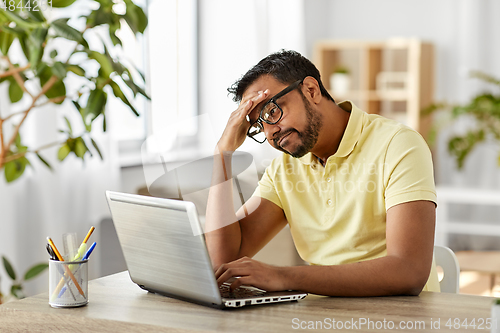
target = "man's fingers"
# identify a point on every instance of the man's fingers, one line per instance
(231, 272)
(242, 281)
(249, 105)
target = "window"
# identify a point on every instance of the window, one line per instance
(168, 57)
(172, 49)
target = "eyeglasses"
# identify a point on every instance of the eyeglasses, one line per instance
(271, 114)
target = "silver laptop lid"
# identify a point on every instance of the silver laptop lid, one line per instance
(163, 245)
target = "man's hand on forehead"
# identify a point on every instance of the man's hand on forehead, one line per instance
(258, 99)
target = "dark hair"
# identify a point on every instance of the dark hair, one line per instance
(286, 66)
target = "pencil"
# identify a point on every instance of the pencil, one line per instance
(68, 271)
(88, 235)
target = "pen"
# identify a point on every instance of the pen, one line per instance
(60, 269)
(89, 251)
(85, 257)
(68, 271)
(83, 247)
(51, 252)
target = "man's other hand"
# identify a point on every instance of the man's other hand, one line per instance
(250, 272)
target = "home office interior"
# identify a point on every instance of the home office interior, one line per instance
(399, 58)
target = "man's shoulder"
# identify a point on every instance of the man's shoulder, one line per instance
(389, 129)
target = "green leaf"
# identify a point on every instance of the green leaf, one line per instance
(59, 70)
(34, 14)
(62, 3)
(135, 17)
(104, 123)
(62, 29)
(17, 291)
(14, 169)
(95, 105)
(75, 69)
(80, 148)
(99, 151)
(20, 22)
(58, 89)
(106, 66)
(15, 92)
(119, 93)
(63, 152)
(119, 68)
(135, 88)
(35, 270)
(6, 40)
(114, 38)
(16, 31)
(17, 140)
(35, 45)
(44, 161)
(8, 268)
(23, 40)
(100, 16)
(70, 132)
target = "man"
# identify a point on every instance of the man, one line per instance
(357, 191)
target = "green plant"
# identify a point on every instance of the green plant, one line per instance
(38, 77)
(16, 290)
(484, 112)
(341, 70)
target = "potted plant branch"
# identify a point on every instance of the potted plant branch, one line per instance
(40, 75)
(16, 290)
(483, 113)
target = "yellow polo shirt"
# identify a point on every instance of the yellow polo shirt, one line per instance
(337, 213)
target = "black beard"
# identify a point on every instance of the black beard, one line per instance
(309, 136)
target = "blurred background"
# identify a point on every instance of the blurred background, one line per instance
(397, 58)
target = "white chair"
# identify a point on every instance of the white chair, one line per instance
(447, 260)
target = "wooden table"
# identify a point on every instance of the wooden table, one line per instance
(118, 305)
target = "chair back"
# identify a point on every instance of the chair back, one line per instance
(447, 260)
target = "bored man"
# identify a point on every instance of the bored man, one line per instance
(356, 189)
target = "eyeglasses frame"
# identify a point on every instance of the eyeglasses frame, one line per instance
(273, 100)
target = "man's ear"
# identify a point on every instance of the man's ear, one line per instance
(311, 89)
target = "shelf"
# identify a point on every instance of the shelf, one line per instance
(372, 95)
(387, 77)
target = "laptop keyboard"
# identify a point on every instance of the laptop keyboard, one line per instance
(239, 292)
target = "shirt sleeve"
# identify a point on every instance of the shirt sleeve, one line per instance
(408, 170)
(266, 188)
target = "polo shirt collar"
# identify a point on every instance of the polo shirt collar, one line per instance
(352, 131)
(350, 137)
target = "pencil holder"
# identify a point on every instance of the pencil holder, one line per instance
(68, 283)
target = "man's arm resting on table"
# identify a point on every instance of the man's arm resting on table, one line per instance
(249, 234)
(405, 269)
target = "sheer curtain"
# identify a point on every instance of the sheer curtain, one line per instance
(42, 203)
(233, 37)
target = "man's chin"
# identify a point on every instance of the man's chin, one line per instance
(297, 153)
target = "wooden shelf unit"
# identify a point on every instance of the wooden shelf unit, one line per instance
(366, 60)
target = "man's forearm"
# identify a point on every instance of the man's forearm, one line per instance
(223, 235)
(377, 277)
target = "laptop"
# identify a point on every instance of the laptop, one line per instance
(164, 248)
